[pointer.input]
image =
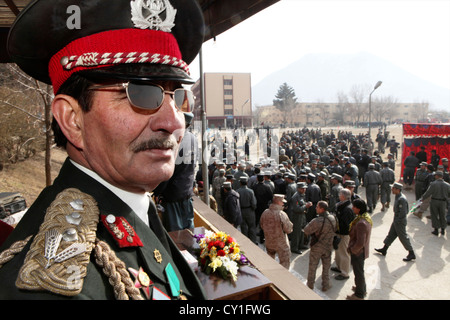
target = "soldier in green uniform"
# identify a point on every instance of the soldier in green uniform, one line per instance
(387, 178)
(439, 191)
(421, 176)
(120, 112)
(398, 227)
(372, 183)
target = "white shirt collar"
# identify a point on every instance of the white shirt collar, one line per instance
(138, 202)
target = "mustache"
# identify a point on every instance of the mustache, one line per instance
(156, 143)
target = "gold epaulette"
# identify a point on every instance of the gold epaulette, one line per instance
(58, 257)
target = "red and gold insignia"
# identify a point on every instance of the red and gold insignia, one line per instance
(141, 281)
(121, 231)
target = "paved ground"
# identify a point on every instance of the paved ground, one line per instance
(389, 277)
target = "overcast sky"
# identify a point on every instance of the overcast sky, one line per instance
(413, 34)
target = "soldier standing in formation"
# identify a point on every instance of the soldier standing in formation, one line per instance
(398, 227)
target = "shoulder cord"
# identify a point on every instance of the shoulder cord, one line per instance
(116, 271)
(15, 248)
(112, 267)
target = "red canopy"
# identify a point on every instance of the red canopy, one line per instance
(432, 136)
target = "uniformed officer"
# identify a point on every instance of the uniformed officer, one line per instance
(387, 178)
(421, 176)
(247, 201)
(398, 226)
(336, 186)
(299, 208)
(372, 183)
(120, 112)
(439, 191)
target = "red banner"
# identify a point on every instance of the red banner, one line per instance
(426, 129)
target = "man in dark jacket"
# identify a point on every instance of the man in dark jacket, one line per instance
(344, 215)
(411, 163)
(231, 205)
(263, 195)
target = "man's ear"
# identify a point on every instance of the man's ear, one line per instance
(69, 115)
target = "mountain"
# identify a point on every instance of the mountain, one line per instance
(319, 77)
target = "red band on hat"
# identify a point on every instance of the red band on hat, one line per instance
(113, 47)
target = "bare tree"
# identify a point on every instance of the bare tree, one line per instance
(23, 96)
(342, 108)
(383, 108)
(358, 93)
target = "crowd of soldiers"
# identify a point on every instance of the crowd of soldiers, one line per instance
(312, 166)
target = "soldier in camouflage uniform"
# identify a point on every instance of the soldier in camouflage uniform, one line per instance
(324, 228)
(388, 178)
(276, 226)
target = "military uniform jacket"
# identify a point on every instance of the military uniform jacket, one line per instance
(439, 190)
(372, 177)
(96, 284)
(401, 208)
(247, 198)
(387, 176)
(421, 175)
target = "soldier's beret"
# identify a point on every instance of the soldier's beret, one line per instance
(423, 163)
(120, 39)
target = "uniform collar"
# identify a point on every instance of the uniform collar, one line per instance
(138, 202)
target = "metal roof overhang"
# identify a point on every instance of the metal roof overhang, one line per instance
(220, 15)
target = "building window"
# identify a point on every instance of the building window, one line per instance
(228, 92)
(227, 82)
(228, 102)
(228, 112)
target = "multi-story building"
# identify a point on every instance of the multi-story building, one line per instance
(228, 101)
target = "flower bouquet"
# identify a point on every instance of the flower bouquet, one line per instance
(220, 254)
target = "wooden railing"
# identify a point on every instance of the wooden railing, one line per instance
(283, 284)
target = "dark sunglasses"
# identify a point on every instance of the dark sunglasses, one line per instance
(150, 96)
